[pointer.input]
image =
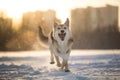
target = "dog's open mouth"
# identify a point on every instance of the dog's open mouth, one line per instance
(62, 36)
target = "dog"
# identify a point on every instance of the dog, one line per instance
(61, 41)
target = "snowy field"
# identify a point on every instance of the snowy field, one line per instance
(84, 65)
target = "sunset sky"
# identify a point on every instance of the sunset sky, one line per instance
(15, 8)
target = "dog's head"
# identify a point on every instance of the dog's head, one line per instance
(61, 30)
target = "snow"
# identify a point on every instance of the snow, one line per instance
(84, 65)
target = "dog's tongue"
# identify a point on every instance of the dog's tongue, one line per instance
(62, 36)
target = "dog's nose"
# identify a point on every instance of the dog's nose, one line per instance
(62, 31)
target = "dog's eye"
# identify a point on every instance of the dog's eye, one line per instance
(64, 27)
(58, 28)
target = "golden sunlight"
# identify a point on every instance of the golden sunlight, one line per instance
(15, 8)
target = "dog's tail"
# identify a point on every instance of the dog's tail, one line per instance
(43, 39)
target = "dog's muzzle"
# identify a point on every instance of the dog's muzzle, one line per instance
(62, 35)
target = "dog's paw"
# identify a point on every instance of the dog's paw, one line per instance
(67, 70)
(52, 62)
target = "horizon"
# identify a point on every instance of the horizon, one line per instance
(80, 52)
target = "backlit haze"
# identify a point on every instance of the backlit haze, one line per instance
(15, 8)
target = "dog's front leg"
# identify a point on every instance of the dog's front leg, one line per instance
(63, 64)
(57, 60)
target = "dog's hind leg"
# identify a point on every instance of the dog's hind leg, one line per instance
(57, 60)
(66, 67)
(52, 58)
(65, 64)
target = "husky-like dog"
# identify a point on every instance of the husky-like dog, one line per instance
(60, 40)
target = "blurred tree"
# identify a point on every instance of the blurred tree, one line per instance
(6, 32)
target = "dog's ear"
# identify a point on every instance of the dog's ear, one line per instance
(67, 22)
(55, 24)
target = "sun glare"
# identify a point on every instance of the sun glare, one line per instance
(15, 8)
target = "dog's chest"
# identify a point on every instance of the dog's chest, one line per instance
(62, 48)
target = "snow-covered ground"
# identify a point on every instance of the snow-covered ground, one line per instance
(84, 65)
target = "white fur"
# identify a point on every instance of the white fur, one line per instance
(58, 47)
